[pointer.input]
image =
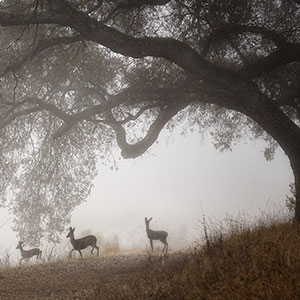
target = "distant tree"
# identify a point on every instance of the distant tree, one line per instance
(79, 76)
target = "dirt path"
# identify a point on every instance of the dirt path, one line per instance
(72, 279)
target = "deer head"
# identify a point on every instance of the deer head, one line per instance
(71, 232)
(19, 245)
(147, 221)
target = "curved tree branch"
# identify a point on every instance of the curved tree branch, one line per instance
(286, 52)
(250, 100)
(93, 30)
(283, 56)
(131, 117)
(137, 149)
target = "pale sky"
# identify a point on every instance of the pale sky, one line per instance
(176, 183)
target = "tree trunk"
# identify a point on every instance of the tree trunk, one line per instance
(271, 118)
(295, 164)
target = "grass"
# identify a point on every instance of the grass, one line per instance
(237, 261)
(262, 262)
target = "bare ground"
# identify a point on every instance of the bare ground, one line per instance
(88, 278)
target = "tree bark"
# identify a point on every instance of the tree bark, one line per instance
(295, 164)
(274, 121)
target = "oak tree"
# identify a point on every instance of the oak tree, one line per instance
(80, 76)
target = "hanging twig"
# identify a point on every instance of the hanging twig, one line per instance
(5, 222)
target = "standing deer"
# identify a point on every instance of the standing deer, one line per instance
(156, 235)
(26, 254)
(80, 244)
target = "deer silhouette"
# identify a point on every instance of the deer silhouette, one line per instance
(80, 244)
(26, 254)
(156, 235)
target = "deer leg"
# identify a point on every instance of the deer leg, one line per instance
(167, 246)
(163, 247)
(95, 247)
(70, 255)
(151, 244)
(80, 253)
(20, 261)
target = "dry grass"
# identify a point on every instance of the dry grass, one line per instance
(258, 263)
(111, 246)
(262, 262)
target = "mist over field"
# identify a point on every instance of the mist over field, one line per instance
(177, 183)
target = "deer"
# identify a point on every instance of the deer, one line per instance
(80, 244)
(156, 235)
(26, 254)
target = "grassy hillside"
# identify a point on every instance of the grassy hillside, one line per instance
(262, 262)
(258, 263)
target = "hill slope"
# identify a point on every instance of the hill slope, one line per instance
(258, 263)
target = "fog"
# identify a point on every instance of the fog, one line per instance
(177, 182)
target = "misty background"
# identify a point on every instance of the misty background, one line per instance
(178, 181)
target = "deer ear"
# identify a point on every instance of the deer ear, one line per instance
(70, 228)
(150, 219)
(73, 229)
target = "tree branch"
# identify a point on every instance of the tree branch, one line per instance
(93, 30)
(129, 4)
(286, 52)
(7, 120)
(248, 98)
(224, 32)
(137, 149)
(42, 45)
(138, 114)
(17, 111)
(275, 60)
